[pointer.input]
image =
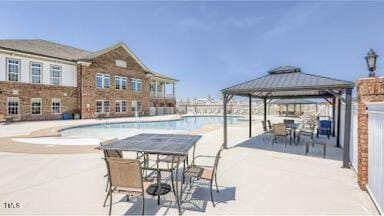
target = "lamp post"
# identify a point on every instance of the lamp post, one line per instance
(371, 62)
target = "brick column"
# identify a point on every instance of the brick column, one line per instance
(368, 90)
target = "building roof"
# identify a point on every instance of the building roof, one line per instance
(44, 48)
(55, 50)
(155, 74)
(289, 81)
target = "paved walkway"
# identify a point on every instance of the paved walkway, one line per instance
(254, 178)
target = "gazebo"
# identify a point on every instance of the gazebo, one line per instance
(287, 82)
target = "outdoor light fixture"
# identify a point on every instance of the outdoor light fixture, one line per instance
(371, 62)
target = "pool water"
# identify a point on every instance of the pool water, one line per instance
(126, 129)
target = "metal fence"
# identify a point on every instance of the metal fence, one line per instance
(376, 153)
(161, 110)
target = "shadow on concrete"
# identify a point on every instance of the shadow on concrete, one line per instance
(264, 142)
(195, 199)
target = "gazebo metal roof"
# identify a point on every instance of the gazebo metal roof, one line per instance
(288, 81)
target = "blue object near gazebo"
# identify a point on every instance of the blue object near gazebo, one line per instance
(325, 127)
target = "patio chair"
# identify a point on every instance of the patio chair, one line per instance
(266, 130)
(110, 153)
(280, 130)
(168, 159)
(324, 128)
(208, 173)
(125, 175)
(269, 124)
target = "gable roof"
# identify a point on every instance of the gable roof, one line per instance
(44, 48)
(288, 81)
(59, 51)
(93, 55)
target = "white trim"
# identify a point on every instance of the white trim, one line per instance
(121, 44)
(85, 63)
(36, 56)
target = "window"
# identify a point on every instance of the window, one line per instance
(36, 72)
(106, 106)
(55, 74)
(13, 69)
(121, 106)
(102, 106)
(56, 105)
(13, 106)
(36, 106)
(136, 85)
(103, 80)
(120, 82)
(99, 106)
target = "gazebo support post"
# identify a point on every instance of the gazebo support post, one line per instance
(333, 116)
(347, 130)
(338, 122)
(225, 119)
(226, 99)
(265, 110)
(250, 116)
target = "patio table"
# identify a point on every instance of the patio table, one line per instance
(164, 144)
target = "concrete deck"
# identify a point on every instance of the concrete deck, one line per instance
(253, 178)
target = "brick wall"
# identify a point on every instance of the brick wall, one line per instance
(368, 90)
(106, 64)
(25, 91)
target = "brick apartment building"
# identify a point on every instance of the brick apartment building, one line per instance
(41, 80)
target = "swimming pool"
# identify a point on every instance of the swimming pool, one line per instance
(126, 129)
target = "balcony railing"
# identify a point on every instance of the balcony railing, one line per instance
(161, 95)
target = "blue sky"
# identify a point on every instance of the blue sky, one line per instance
(212, 45)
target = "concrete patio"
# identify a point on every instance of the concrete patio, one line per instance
(253, 178)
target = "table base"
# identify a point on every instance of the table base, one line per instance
(154, 190)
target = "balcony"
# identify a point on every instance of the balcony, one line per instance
(162, 90)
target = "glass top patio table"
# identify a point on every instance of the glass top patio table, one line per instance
(293, 126)
(172, 144)
(169, 144)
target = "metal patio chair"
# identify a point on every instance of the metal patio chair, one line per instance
(172, 160)
(208, 173)
(110, 153)
(280, 130)
(125, 175)
(266, 130)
